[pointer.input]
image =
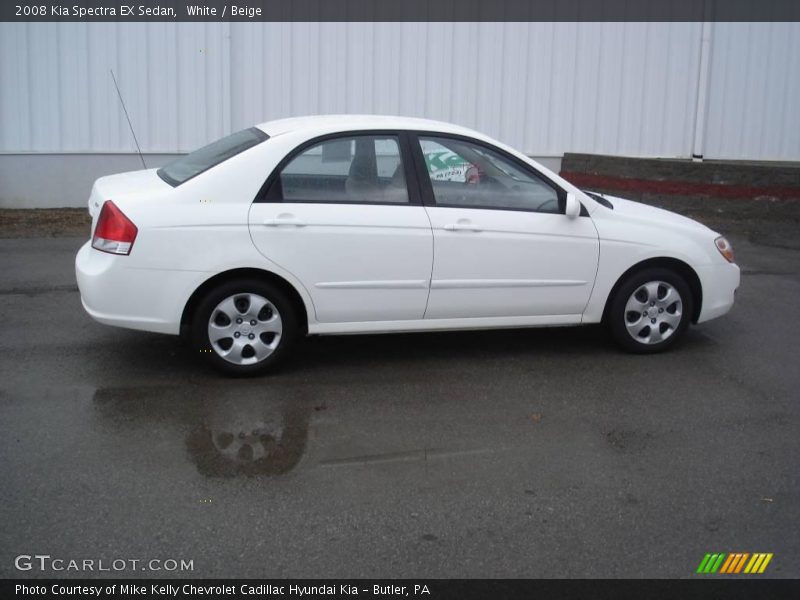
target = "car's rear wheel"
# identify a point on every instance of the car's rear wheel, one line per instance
(244, 327)
(650, 311)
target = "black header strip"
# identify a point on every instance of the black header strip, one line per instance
(399, 10)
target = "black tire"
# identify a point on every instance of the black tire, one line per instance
(244, 288)
(618, 319)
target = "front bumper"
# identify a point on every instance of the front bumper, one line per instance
(719, 283)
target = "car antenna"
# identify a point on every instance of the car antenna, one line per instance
(121, 101)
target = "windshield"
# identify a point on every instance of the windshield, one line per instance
(186, 167)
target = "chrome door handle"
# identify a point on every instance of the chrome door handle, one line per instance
(284, 220)
(462, 225)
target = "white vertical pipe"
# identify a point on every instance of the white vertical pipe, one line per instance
(703, 80)
(227, 67)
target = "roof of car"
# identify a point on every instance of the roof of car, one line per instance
(332, 123)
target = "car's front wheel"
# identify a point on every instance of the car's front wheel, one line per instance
(650, 311)
(244, 327)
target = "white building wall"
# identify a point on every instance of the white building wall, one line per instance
(57, 94)
(546, 88)
(754, 92)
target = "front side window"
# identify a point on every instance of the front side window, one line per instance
(468, 175)
(347, 170)
(186, 167)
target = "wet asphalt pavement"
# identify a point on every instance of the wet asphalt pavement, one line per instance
(529, 453)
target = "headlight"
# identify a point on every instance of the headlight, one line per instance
(725, 248)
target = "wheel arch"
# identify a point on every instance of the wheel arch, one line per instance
(664, 262)
(294, 296)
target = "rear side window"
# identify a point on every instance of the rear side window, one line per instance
(186, 167)
(361, 169)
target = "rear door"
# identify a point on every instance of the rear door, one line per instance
(338, 214)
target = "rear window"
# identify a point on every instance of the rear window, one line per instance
(186, 167)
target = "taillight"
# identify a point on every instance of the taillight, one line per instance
(115, 233)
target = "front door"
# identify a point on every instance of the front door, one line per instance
(503, 246)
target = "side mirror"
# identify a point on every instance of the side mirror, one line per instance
(573, 208)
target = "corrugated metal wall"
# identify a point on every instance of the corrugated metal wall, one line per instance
(754, 92)
(614, 88)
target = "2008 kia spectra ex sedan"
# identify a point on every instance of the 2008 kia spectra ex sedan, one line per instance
(364, 224)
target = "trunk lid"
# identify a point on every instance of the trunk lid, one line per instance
(116, 186)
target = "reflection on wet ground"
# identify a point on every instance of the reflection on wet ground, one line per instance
(260, 432)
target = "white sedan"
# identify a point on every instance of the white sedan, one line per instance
(366, 224)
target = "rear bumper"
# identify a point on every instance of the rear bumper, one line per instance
(719, 283)
(114, 293)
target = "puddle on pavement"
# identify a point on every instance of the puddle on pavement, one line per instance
(241, 430)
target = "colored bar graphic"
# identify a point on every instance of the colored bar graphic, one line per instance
(749, 567)
(764, 564)
(741, 562)
(703, 563)
(710, 564)
(757, 564)
(717, 563)
(734, 562)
